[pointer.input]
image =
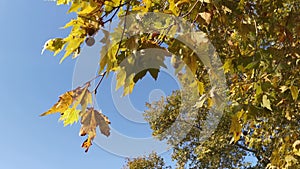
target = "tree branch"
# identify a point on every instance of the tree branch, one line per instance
(191, 9)
(245, 148)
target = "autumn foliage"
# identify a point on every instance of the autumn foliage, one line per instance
(258, 43)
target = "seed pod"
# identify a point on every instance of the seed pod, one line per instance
(90, 31)
(90, 41)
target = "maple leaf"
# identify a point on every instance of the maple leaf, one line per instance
(83, 97)
(235, 128)
(65, 100)
(90, 120)
(70, 116)
(68, 103)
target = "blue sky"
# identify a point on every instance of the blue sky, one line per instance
(31, 83)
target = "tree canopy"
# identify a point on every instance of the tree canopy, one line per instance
(258, 44)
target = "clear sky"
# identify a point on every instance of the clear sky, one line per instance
(31, 83)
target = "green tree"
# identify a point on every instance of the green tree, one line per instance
(146, 162)
(258, 43)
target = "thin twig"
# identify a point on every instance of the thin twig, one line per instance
(191, 9)
(123, 31)
(94, 78)
(245, 148)
(95, 90)
(118, 8)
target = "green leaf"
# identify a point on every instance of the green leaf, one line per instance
(154, 73)
(227, 65)
(139, 75)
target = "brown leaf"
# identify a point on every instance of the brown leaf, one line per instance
(91, 119)
(86, 144)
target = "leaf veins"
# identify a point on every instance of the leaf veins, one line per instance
(90, 120)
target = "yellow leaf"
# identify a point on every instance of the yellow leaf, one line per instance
(87, 9)
(173, 7)
(235, 128)
(65, 100)
(227, 65)
(296, 147)
(266, 102)
(206, 16)
(201, 88)
(148, 4)
(210, 102)
(72, 22)
(61, 2)
(121, 76)
(70, 116)
(54, 45)
(75, 6)
(283, 88)
(129, 85)
(240, 114)
(72, 46)
(290, 160)
(294, 92)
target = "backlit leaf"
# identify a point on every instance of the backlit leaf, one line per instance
(296, 147)
(201, 88)
(90, 120)
(70, 116)
(266, 102)
(65, 100)
(235, 128)
(294, 92)
(54, 45)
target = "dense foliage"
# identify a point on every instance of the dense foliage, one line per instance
(146, 162)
